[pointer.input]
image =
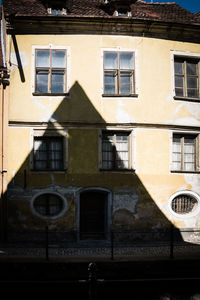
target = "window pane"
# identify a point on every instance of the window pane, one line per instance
(178, 67)
(42, 82)
(193, 93)
(179, 81)
(192, 82)
(42, 58)
(110, 83)
(58, 59)
(57, 82)
(110, 60)
(191, 68)
(125, 83)
(179, 92)
(126, 61)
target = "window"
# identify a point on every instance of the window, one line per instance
(48, 153)
(119, 73)
(186, 77)
(183, 204)
(50, 77)
(48, 205)
(115, 150)
(184, 157)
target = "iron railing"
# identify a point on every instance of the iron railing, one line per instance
(118, 244)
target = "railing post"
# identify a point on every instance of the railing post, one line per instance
(112, 244)
(47, 242)
(172, 241)
(92, 280)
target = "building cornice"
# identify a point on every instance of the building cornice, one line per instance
(104, 26)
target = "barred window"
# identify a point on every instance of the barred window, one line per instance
(183, 204)
(184, 156)
(186, 77)
(119, 73)
(48, 153)
(115, 150)
(48, 205)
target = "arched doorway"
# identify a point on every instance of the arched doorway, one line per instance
(94, 214)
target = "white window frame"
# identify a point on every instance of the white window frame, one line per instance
(68, 68)
(136, 72)
(41, 132)
(190, 214)
(197, 156)
(131, 149)
(186, 55)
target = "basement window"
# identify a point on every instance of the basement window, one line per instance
(49, 205)
(184, 204)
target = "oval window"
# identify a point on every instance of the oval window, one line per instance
(184, 204)
(48, 205)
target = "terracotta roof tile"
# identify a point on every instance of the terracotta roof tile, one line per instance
(167, 12)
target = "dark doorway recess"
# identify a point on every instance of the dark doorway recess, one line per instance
(93, 215)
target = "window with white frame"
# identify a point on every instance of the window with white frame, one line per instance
(48, 153)
(185, 152)
(119, 73)
(187, 75)
(115, 150)
(50, 71)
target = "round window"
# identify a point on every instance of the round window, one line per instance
(183, 204)
(49, 205)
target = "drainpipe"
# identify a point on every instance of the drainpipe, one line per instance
(4, 81)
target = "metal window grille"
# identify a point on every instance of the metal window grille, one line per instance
(183, 204)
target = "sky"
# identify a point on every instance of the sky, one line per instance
(191, 5)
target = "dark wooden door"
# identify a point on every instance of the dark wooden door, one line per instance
(93, 215)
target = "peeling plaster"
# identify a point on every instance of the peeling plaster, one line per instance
(190, 121)
(123, 116)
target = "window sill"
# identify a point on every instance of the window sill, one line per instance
(185, 172)
(48, 171)
(120, 95)
(117, 170)
(187, 99)
(50, 94)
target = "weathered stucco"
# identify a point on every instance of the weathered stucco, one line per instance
(140, 198)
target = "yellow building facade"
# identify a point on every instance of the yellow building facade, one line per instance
(103, 126)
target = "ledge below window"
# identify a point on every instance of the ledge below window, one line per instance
(50, 94)
(120, 95)
(187, 99)
(117, 170)
(185, 172)
(48, 171)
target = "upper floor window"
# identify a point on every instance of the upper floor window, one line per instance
(50, 77)
(48, 153)
(115, 150)
(119, 73)
(185, 153)
(187, 77)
